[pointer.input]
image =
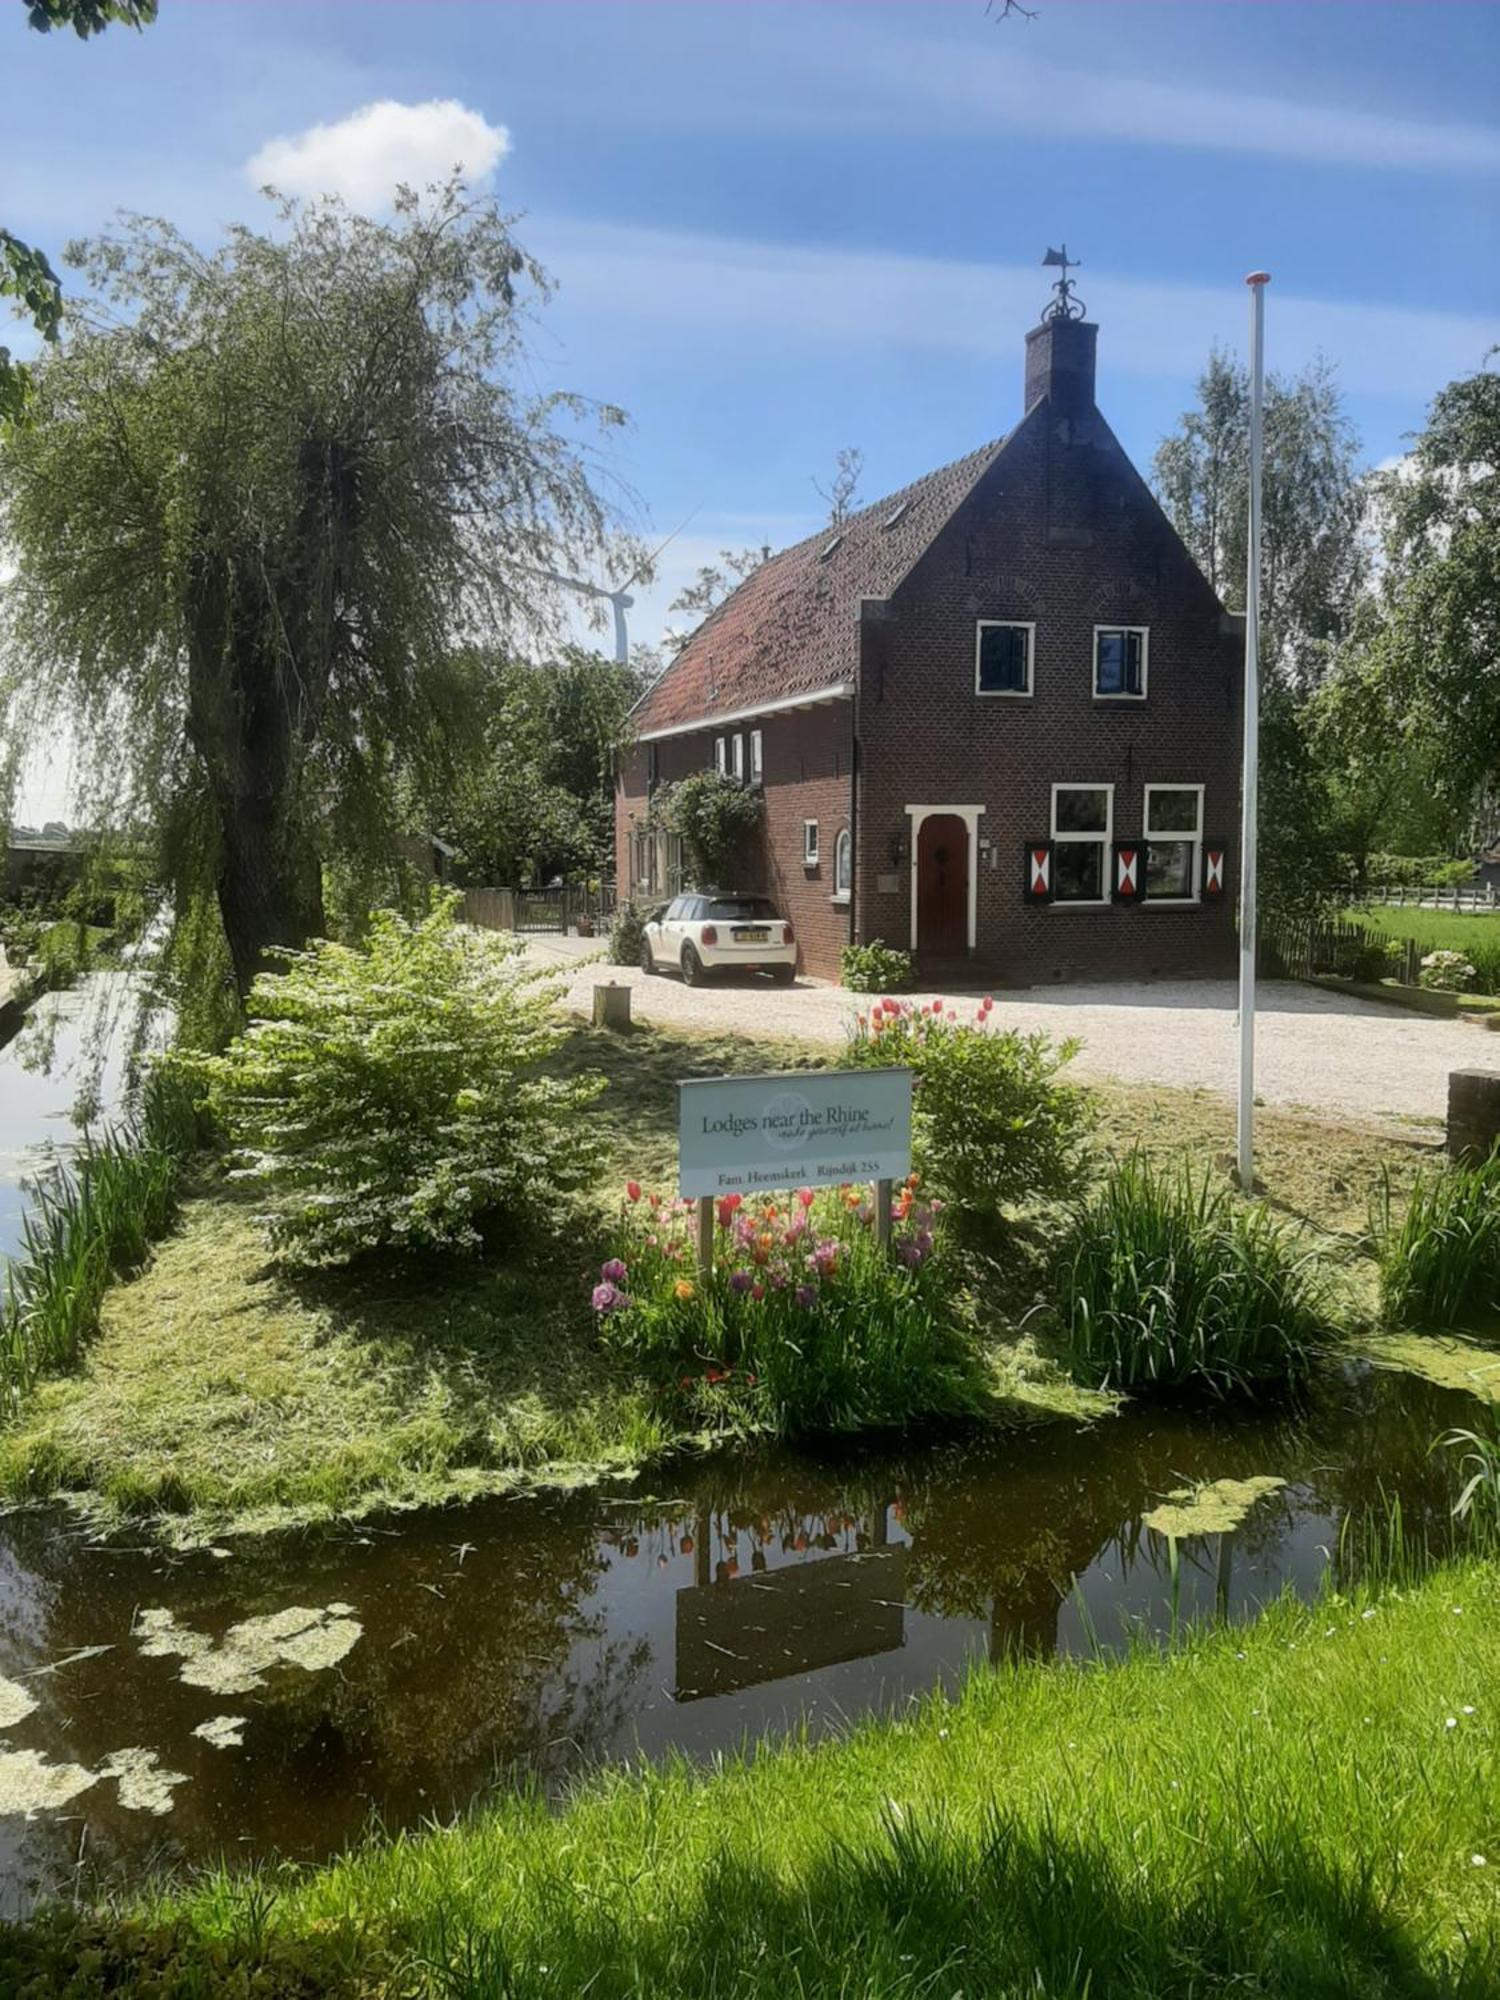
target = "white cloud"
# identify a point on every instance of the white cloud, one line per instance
(364, 156)
(790, 297)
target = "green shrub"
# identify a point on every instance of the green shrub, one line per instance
(715, 817)
(392, 1094)
(1164, 1282)
(92, 1220)
(876, 967)
(1446, 972)
(627, 935)
(805, 1326)
(991, 1121)
(1441, 1266)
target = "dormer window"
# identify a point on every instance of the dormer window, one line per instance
(1002, 658)
(827, 551)
(1120, 662)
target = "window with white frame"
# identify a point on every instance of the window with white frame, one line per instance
(1120, 661)
(738, 747)
(721, 756)
(1082, 825)
(1174, 843)
(1002, 657)
(757, 757)
(843, 866)
(809, 843)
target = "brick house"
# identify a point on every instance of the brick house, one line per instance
(995, 717)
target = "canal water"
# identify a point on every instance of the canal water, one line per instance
(268, 1698)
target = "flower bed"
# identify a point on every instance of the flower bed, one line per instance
(804, 1324)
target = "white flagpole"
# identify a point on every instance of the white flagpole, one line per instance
(1245, 1134)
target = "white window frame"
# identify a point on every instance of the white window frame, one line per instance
(1026, 625)
(843, 866)
(757, 757)
(809, 843)
(1174, 840)
(1106, 840)
(1145, 632)
(737, 755)
(721, 756)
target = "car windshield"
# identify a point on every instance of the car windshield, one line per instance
(741, 909)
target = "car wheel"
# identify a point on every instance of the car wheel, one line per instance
(648, 961)
(783, 974)
(692, 967)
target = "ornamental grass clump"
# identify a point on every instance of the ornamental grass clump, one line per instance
(394, 1095)
(1165, 1282)
(992, 1122)
(1441, 1265)
(805, 1324)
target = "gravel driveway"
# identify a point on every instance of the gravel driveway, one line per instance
(1314, 1050)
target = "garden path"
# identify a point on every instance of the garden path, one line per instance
(1316, 1051)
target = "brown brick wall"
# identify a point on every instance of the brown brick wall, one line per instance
(1063, 532)
(807, 774)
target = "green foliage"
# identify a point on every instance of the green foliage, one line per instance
(263, 495)
(1446, 972)
(627, 935)
(1416, 871)
(28, 279)
(1164, 1282)
(390, 1095)
(533, 796)
(716, 817)
(89, 17)
(1479, 1468)
(992, 1122)
(1475, 937)
(93, 1220)
(876, 967)
(1440, 1266)
(805, 1325)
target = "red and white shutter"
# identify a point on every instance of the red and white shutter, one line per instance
(1215, 866)
(1037, 879)
(1130, 860)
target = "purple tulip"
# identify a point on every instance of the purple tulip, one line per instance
(609, 1298)
(740, 1281)
(614, 1272)
(807, 1297)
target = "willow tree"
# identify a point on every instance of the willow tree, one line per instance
(264, 492)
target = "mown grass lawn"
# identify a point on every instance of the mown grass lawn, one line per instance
(1306, 1807)
(1477, 937)
(224, 1394)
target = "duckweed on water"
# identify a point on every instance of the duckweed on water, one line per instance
(144, 1785)
(297, 1637)
(223, 1732)
(1213, 1509)
(29, 1784)
(15, 1703)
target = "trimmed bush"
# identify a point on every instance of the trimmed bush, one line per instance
(876, 967)
(627, 935)
(805, 1326)
(392, 1096)
(1165, 1282)
(1441, 1266)
(992, 1123)
(1446, 972)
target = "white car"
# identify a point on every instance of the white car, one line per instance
(710, 931)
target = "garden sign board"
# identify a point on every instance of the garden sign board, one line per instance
(799, 1128)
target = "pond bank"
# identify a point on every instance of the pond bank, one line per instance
(1304, 1806)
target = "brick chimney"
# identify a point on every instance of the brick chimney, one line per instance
(1060, 365)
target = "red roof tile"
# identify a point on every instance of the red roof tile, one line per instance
(792, 626)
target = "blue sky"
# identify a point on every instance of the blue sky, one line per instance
(778, 230)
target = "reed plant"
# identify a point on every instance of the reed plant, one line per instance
(1165, 1281)
(1440, 1265)
(92, 1220)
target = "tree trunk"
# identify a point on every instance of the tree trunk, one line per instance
(242, 723)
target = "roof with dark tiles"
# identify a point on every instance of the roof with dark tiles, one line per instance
(791, 627)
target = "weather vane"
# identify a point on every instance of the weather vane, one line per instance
(1064, 306)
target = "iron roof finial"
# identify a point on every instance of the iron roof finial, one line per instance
(1064, 306)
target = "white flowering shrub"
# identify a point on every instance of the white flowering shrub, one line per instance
(392, 1095)
(1446, 972)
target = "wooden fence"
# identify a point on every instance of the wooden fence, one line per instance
(1348, 951)
(1478, 899)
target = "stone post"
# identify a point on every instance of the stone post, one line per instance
(612, 1006)
(1473, 1114)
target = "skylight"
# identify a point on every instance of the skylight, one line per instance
(899, 515)
(825, 552)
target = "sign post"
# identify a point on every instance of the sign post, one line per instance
(799, 1128)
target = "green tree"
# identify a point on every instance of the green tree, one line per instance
(1314, 560)
(263, 495)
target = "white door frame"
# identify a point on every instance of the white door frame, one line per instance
(970, 817)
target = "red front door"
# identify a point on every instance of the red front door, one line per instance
(943, 886)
